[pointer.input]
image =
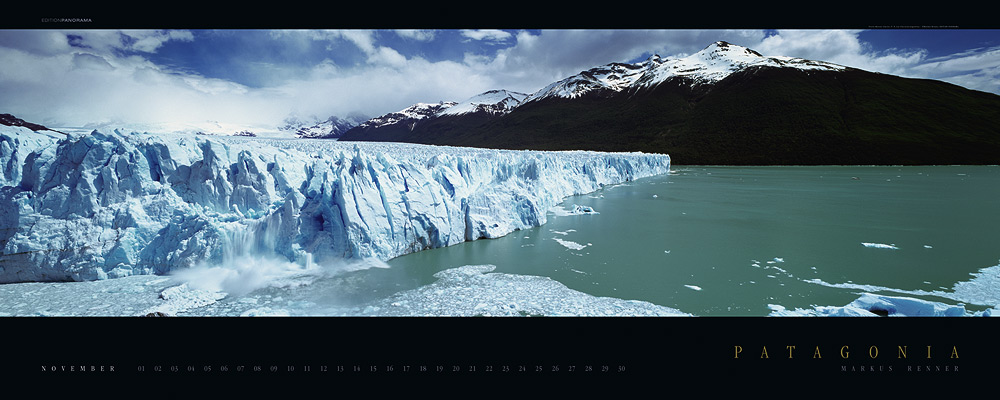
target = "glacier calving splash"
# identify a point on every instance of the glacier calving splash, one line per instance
(110, 205)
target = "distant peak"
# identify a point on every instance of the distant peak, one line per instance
(723, 47)
(10, 120)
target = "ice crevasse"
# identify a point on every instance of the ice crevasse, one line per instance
(107, 205)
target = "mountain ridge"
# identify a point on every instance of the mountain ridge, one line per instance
(728, 104)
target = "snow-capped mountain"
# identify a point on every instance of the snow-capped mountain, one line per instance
(721, 59)
(710, 65)
(614, 77)
(421, 117)
(728, 104)
(331, 128)
(493, 102)
(10, 120)
(408, 115)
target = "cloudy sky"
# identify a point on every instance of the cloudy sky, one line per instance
(258, 77)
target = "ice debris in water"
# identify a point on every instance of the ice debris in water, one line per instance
(980, 290)
(181, 298)
(475, 290)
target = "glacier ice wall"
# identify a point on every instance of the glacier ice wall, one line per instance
(108, 205)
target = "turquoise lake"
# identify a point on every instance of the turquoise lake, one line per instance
(732, 241)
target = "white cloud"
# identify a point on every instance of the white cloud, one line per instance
(423, 35)
(840, 47)
(149, 41)
(35, 41)
(977, 69)
(90, 61)
(388, 57)
(492, 35)
(90, 83)
(825, 45)
(47, 80)
(376, 91)
(987, 80)
(77, 86)
(539, 59)
(975, 59)
(363, 39)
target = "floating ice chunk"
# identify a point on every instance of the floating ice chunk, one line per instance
(570, 244)
(906, 306)
(576, 210)
(880, 305)
(880, 246)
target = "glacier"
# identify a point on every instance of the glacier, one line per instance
(112, 204)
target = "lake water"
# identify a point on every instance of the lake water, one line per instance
(732, 241)
(706, 241)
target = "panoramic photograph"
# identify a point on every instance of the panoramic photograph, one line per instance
(510, 173)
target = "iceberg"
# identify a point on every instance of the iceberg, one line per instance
(880, 246)
(872, 305)
(102, 205)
